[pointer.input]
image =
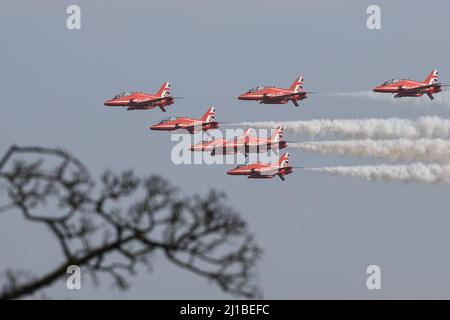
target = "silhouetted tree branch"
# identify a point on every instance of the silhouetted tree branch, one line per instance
(114, 226)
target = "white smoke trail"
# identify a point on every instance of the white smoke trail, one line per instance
(417, 172)
(441, 98)
(437, 150)
(393, 128)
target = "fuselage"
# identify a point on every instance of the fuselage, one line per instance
(402, 86)
(193, 125)
(209, 145)
(245, 145)
(268, 95)
(139, 100)
(257, 170)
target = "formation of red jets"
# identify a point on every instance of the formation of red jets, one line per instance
(248, 143)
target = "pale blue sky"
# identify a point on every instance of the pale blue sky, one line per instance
(319, 232)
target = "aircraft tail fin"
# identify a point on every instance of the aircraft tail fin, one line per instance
(284, 160)
(165, 90)
(277, 135)
(210, 115)
(432, 77)
(297, 85)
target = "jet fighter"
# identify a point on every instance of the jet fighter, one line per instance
(138, 100)
(264, 170)
(192, 125)
(246, 144)
(411, 88)
(274, 95)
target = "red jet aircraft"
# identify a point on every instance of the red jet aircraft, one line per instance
(264, 170)
(274, 95)
(192, 125)
(410, 88)
(143, 101)
(247, 143)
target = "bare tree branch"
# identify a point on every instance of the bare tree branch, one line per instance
(113, 227)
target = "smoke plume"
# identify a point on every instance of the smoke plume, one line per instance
(437, 150)
(393, 128)
(417, 172)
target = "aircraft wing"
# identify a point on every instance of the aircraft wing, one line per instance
(257, 144)
(148, 101)
(197, 125)
(419, 88)
(269, 171)
(283, 96)
(229, 147)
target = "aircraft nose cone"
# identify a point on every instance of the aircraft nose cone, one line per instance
(196, 148)
(378, 89)
(158, 126)
(243, 96)
(110, 102)
(236, 172)
(202, 146)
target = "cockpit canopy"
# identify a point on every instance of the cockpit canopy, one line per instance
(168, 119)
(258, 88)
(209, 139)
(391, 81)
(125, 94)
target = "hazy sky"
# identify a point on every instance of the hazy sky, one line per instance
(319, 232)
